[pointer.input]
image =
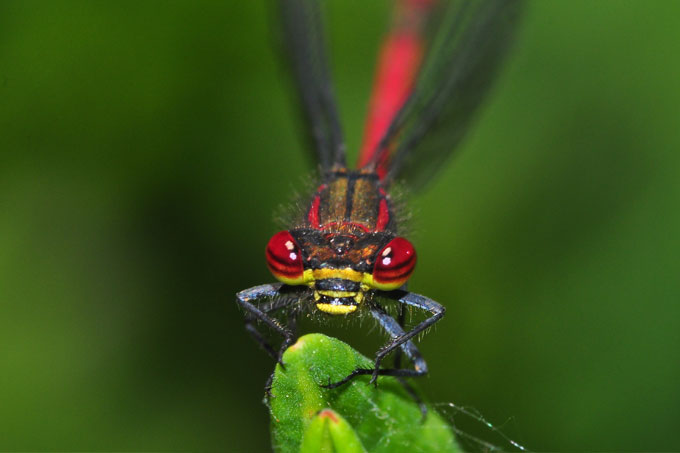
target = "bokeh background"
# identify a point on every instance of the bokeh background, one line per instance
(145, 145)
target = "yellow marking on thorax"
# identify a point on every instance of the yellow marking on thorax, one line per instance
(334, 209)
(364, 202)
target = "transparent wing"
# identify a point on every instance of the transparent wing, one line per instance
(304, 45)
(460, 65)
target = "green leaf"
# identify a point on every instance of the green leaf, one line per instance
(329, 432)
(383, 418)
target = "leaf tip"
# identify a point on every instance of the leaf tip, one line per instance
(330, 414)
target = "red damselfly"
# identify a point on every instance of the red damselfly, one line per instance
(344, 255)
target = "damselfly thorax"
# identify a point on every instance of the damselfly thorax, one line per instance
(347, 245)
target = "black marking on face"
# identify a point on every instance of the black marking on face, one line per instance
(337, 284)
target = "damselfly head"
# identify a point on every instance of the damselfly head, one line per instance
(340, 267)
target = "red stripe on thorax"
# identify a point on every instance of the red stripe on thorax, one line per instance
(383, 215)
(313, 214)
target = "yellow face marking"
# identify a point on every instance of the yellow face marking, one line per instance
(336, 309)
(345, 274)
(367, 280)
(337, 294)
(307, 278)
(310, 276)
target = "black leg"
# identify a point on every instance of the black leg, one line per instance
(403, 339)
(399, 338)
(292, 327)
(276, 299)
(401, 319)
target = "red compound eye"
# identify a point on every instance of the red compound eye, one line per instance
(284, 258)
(394, 264)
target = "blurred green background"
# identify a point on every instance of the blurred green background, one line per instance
(145, 145)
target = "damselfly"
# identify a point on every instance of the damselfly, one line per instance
(344, 256)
